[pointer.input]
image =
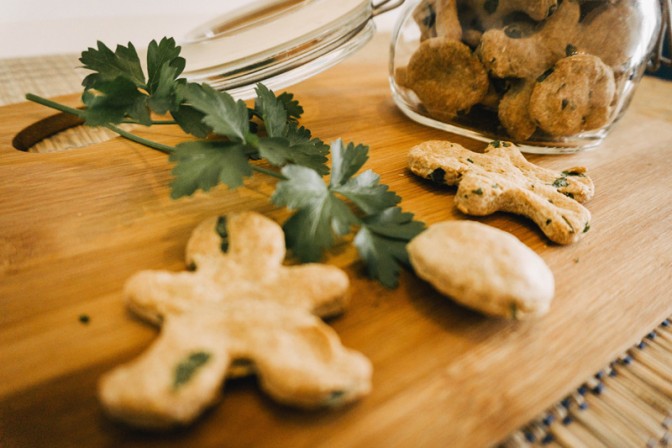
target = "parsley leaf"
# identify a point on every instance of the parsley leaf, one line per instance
(346, 161)
(204, 164)
(381, 243)
(322, 215)
(163, 98)
(271, 110)
(163, 58)
(287, 142)
(279, 152)
(117, 99)
(364, 190)
(124, 63)
(292, 106)
(224, 115)
(367, 193)
(191, 121)
(310, 231)
(117, 89)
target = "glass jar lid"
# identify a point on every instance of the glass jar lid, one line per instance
(279, 42)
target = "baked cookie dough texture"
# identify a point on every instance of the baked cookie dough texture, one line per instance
(238, 312)
(483, 268)
(501, 179)
(548, 68)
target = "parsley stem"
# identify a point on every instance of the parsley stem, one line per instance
(152, 123)
(143, 141)
(272, 173)
(54, 105)
(80, 113)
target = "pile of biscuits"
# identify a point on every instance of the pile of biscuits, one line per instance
(547, 67)
(240, 311)
(482, 267)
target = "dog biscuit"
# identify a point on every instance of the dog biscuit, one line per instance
(501, 179)
(483, 268)
(251, 268)
(239, 311)
(446, 76)
(575, 96)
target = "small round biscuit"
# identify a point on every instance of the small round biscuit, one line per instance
(483, 268)
(576, 95)
(513, 111)
(447, 77)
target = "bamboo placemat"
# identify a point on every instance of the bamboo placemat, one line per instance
(45, 76)
(628, 403)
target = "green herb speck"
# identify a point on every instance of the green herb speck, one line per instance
(186, 369)
(573, 173)
(545, 75)
(335, 397)
(84, 319)
(513, 31)
(490, 6)
(571, 227)
(586, 228)
(560, 182)
(514, 311)
(223, 233)
(565, 103)
(470, 161)
(496, 143)
(438, 175)
(570, 50)
(478, 191)
(430, 18)
(548, 221)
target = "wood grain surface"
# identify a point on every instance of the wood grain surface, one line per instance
(75, 225)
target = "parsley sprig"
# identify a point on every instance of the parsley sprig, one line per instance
(229, 137)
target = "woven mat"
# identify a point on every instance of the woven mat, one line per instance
(44, 76)
(628, 403)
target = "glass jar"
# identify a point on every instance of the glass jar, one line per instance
(551, 75)
(278, 42)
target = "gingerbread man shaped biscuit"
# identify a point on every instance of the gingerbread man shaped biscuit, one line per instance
(501, 179)
(238, 312)
(250, 268)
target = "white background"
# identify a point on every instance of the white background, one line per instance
(40, 27)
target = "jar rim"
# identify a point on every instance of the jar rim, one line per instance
(234, 52)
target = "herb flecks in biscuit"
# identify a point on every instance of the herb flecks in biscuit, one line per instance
(501, 179)
(493, 13)
(529, 56)
(576, 96)
(251, 268)
(236, 313)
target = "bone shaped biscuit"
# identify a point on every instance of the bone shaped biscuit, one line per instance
(529, 56)
(493, 13)
(239, 312)
(501, 179)
(298, 358)
(251, 268)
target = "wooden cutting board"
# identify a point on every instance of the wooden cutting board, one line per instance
(75, 225)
